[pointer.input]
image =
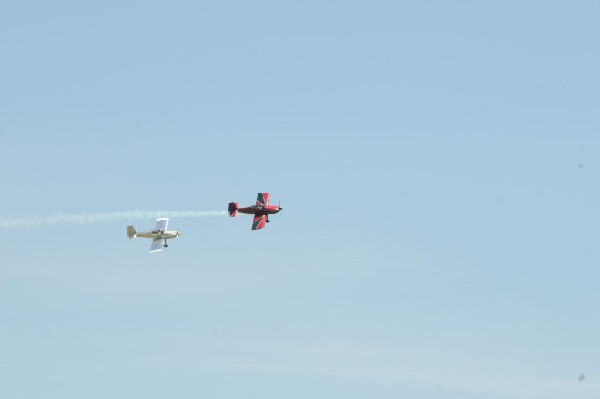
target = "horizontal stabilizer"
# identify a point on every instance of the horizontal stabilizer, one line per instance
(233, 209)
(131, 233)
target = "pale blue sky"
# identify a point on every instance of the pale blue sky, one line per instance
(438, 166)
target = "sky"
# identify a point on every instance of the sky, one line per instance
(438, 166)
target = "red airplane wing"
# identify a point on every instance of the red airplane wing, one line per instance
(259, 221)
(262, 199)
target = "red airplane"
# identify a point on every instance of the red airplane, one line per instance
(261, 210)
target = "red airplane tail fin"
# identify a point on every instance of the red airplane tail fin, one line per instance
(233, 209)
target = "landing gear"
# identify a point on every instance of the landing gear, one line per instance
(165, 245)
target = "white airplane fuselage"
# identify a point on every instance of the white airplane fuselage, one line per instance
(159, 235)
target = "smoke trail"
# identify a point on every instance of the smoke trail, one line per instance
(82, 218)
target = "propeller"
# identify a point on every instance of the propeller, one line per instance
(279, 206)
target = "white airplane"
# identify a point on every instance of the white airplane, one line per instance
(159, 235)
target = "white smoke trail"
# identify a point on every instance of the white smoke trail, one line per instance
(83, 218)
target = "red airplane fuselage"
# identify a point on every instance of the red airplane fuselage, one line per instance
(259, 209)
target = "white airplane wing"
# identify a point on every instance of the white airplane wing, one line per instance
(162, 223)
(157, 245)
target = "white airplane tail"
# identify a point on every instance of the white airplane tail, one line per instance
(131, 233)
